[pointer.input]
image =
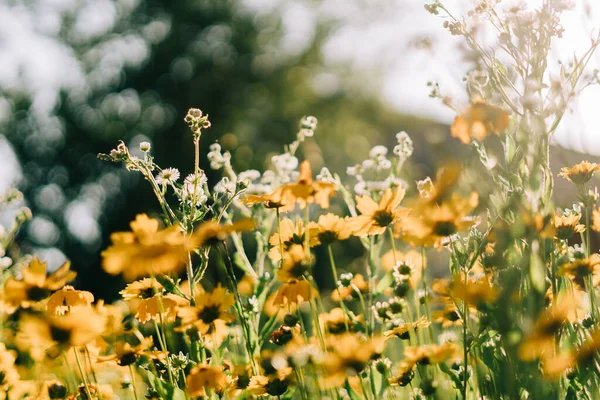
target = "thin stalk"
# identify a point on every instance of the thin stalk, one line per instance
(132, 372)
(83, 376)
(163, 347)
(426, 294)
(465, 348)
(337, 288)
(238, 308)
(190, 276)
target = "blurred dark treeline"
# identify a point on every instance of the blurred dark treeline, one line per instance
(219, 57)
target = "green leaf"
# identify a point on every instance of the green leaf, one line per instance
(452, 374)
(351, 392)
(239, 262)
(384, 283)
(170, 285)
(175, 393)
(537, 269)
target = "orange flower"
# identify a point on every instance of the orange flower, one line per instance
(475, 293)
(596, 220)
(295, 291)
(210, 314)
(580, 269)
(330, 228)
(568, 225)
(403, 329)
(211, 231)
(290, 235)
(430, 354)
(348, 355)
(145, 250)
(429, 223)
(540, 341)
(581, 173)
(478, 121)
(271, 200)
(376, 217)
(306, 191)
(448, 316)
(35, 285)
(203, 377)
(65, 299)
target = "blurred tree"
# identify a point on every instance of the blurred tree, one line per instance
(138, 75)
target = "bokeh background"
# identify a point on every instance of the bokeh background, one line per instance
(77, 76)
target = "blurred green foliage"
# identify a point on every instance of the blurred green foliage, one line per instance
(220, 58)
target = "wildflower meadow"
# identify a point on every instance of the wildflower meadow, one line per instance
(223, 301)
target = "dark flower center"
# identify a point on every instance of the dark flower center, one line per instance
(147, 293)
(444, 228)
(382, 218)
(298, 269)
(37, 293)
(452, 316)
(60, 335)
(209, 314)
(277, 387)
(327, 237)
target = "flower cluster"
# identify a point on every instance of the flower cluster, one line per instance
(292, 285)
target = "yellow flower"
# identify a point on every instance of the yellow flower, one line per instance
(66, 298)
(203, 377)
(348, 354)
(478, 121)
(448, 316)
(336, 322)
(376, 217)
(149, 301)
(574, 300)
(294, 265)
(581, 173)
(142, 289)
(291, 234)
(330, 228)
(210, 232)
(430, 354)
(295, 292)
(539, 342)
(596, 220)
(567, 225)
(125, 354)
(39, 333)
(145, 250)
(580, 269)
(246, 285)
(8, 373)
(273, 384)
(306, 191)
(35, 285)
(405, 374)
(210, 314)
(403, 329)
(477, 293)
(430, 224)
(445, 181)
(271, 200)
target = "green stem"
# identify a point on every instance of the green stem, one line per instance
(132, 372)
(83, 376)
(337, 288)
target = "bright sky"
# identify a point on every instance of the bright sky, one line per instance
(403, 72)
